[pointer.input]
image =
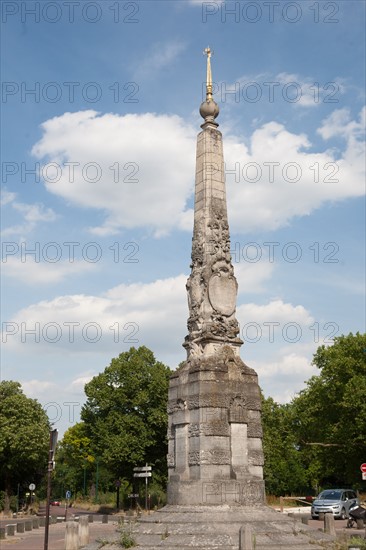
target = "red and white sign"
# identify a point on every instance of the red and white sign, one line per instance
(364, 476)
(363, 467)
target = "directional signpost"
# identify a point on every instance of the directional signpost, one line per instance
(363, 470)
(67, 502)
(31, 488)
(143, 471)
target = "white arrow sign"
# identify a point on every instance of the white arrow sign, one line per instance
(143, 474)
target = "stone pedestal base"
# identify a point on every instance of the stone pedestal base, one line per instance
(219, 527)
(215, 435)
(216, 492)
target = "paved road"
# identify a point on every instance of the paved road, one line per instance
(34, 540)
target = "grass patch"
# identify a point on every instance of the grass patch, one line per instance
(126, 539)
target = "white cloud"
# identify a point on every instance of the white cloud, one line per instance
(31, 213)
(31, 272)
(276, 310)
(212, 6)
(283, 377)
(159, 57)
(305, 92)
(77, 385)
(252, 276)
(7, 197)
(152, 314)
(36, 388)
(339, 123)
(152, 158)
(34, 213)
(276, 179)
(291, 88)
(273, 322)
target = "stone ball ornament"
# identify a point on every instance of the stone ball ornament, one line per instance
(209, 109)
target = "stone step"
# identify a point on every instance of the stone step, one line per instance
(223, 542)
(235, 547)
(203, 528)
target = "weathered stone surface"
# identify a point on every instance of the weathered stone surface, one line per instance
(218, 527)
(215, 451)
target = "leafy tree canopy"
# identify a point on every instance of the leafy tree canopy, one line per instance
(284, 471)
(74, 461)
(331, 412)
(24, 437)
(125, 413)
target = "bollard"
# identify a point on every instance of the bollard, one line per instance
(321, 516)
(91, 518)
(245, 538)
(42, 521)
(35, 523)
(83, 530)
(359, 523)
(20, 527)
(105, 518)
(305, 520)
(329, 526)
(2, 533)
(71, 536)
(28, 525)
(10, 530)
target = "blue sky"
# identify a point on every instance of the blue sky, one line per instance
(99, 122)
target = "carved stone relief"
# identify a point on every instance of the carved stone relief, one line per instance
(212, 456)
(218, 427)
(237, 411)
(170, 460)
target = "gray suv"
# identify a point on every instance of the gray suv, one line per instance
(336, 501)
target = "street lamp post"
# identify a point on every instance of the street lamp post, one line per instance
(51, 463)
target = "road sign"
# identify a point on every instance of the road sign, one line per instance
(133, 495)
(364, 476)
(363, 467)
(143, 474)
(117, 483)
(32, 487)
(142, 469)
(68, 495)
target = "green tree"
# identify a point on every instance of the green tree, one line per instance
(331, 412)
(284, 472)
(24, 438)
(74, 462)
(125, 414)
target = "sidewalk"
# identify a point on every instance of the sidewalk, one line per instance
(34, 540)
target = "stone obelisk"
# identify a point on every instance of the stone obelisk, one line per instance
(215, 436)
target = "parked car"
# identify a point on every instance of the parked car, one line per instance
(336, 501)
(55, 502)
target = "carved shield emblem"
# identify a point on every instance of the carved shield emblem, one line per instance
(222, 289)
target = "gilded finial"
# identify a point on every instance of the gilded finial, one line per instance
(209, 109)
(207, 51)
